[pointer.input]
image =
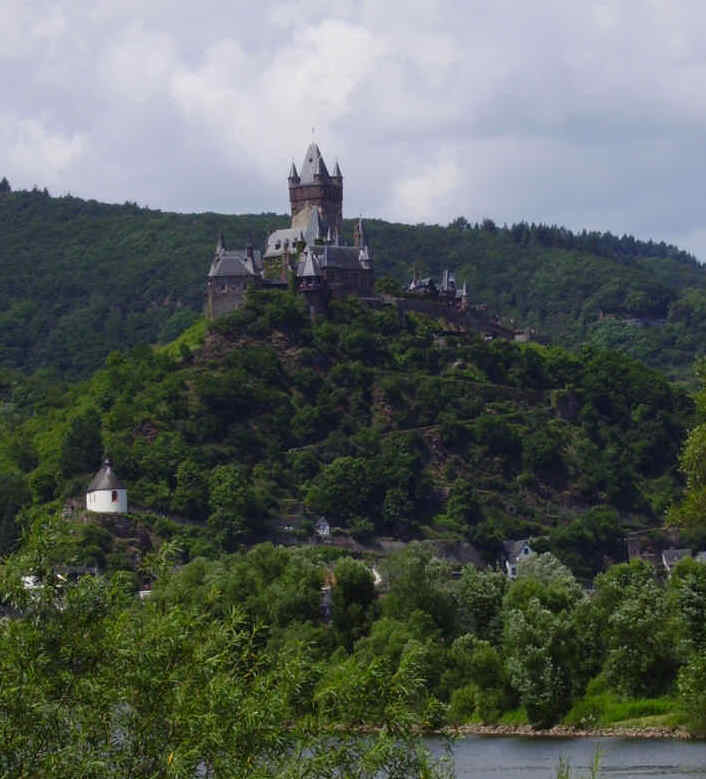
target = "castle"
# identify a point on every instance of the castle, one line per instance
(309, 253)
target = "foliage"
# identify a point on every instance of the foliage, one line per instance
(81, 278)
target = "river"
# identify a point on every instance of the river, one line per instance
(495, 757)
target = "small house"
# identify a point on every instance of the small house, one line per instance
(106, 493)
(515, 551)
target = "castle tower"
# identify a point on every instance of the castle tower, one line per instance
(314, 187)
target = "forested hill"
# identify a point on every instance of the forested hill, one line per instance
(80, 278)
(265, 421)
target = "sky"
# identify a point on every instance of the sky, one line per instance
(583, 114)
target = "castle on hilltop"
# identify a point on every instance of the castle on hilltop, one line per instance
(309, 253)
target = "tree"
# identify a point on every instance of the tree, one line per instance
(167, 677)
(233, 509)
(82, 445)
(480, 596)
(14, 494)
(5, 187)
(418, 581)
(191, 493)
(541, 651)
(686, 596)
(352, 596)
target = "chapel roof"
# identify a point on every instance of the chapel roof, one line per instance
(105, 479)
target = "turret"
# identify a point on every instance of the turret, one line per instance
(293, 175)
(359, 239)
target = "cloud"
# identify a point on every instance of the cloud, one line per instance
(36, 152)
(583, 114)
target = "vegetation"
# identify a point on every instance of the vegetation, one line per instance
(371, 421)
(97, 682)
(233, 441)
(79, 279)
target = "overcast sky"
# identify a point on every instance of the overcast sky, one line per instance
(587, 114)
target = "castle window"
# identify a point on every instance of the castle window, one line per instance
(115, 496)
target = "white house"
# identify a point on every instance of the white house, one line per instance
(515, 551)
(105, 493)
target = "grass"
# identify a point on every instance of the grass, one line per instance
(607, 709)
(564, 769)
(516, 716)
(192, 338)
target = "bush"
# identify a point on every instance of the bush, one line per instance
(463, 704)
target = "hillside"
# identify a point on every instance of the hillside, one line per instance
(79, 279)
(261, 423)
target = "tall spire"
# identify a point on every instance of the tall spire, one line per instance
(337, 171)
(221, 245)
(313, 165)
(293, 175)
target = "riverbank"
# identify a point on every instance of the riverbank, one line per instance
(565, 731)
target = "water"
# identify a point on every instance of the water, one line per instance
(496, 757)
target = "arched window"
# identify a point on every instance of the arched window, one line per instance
(115, 496)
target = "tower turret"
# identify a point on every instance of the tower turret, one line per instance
(359, 238)
(315, 188)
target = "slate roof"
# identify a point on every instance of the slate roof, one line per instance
(344, 257)
(290, 234)
(313, 165)
(105, 479)
(671, 556)
(234, 263)
(309, 267)
(513, 549)
(315, 229)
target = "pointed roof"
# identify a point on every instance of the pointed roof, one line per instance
(293, 172)
(361, 231)
(221, 245)
(315, 228)
(235, 263)
(105, 479)
(313, 165)
(309, 268)
(337, 171)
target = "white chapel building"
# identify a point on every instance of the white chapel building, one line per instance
(105, 493)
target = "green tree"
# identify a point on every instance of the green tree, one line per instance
(14, 494)
(352, 597)
(233, 509)
(480, 596)
(82, 445)
(541, 651)
(191, 493)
